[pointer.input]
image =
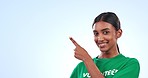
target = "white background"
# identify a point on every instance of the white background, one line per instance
(34, 34)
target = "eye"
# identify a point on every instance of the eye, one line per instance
(105, 32)
(96, 33)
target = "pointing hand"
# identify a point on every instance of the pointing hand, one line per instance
(80, 53)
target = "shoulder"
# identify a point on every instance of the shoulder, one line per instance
(80, 65)
(132, 62)
(129, 67)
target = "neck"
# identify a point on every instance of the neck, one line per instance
(109, 54)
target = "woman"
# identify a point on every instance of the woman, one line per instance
(110, 63)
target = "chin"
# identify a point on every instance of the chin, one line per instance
(103, 50)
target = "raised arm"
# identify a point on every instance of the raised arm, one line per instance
(81, 54)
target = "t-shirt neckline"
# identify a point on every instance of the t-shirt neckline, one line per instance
(109, 58)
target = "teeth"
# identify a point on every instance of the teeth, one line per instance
(102, 44)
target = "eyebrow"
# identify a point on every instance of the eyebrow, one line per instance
(102, 29)
(105, 29)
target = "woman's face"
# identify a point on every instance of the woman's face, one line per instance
(105, 36)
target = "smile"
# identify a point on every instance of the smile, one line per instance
(101, 45)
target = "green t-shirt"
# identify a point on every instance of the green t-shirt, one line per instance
(116, 67)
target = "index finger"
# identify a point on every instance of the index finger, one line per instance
(73, 41)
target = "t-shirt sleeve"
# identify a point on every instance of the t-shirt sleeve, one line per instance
(130, 70)
(75, 73)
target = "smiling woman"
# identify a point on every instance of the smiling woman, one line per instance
(110, 63)
(106, 36)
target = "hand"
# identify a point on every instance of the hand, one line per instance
(80, 53)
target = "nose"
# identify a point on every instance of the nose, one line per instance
(99, 38)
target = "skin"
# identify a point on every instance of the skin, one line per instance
(105, 37)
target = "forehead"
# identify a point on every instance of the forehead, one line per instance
(102, 25)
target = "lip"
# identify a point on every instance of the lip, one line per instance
(102, 45)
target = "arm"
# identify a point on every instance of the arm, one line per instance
(92, 68)
(81, 54)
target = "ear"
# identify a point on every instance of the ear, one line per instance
(119, 33)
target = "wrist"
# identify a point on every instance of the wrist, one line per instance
(88, 59)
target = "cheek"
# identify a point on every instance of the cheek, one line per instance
(95, 39)
(109, 39)
(112, 39)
